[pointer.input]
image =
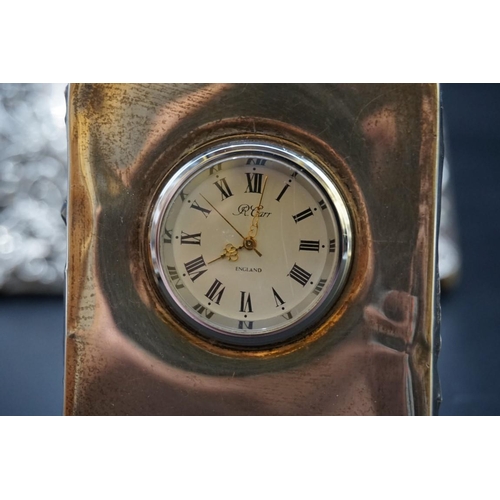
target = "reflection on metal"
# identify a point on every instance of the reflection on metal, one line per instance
(449, 251)
(32, 188)
(372, 353)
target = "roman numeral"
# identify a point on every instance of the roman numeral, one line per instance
(203, 311)
(256, 161)
(193, 266)
(215, 168)
(285, 187)
(319, 287)
(309, 245)
(254, 183)
(175, 277)
(299, 275)
(246, 303)
(167, 237)
(204, 211)
(245, 325)
(190, 239)
(277, 299)
(214, 294)
(183, 195)
(322, 204)
(302, 215)
(224, 188)
(332, 245)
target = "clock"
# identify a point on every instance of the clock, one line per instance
(250, 243)
(252, 249)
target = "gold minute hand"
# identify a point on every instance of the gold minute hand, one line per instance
(256, 251)
(254, 226)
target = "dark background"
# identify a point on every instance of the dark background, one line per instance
(31, 328)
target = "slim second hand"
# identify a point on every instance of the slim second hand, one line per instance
(263, 189)
(256, 251)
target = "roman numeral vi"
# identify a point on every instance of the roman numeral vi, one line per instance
(246, 303)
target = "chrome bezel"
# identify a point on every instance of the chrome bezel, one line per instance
(246, 149)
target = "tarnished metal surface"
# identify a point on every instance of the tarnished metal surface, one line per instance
(371, 354)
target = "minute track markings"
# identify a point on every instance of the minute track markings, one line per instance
(203, 311)
(167, 237)
(183, 195)
(245, 325)
(215, 168)
(321, 284)
(174, 276)
(256, 161)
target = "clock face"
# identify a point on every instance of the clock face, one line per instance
(250, 243)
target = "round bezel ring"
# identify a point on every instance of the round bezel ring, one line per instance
(233, 150)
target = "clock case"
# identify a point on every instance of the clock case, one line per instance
(374, 352)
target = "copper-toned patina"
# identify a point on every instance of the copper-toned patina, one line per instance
(374, 351)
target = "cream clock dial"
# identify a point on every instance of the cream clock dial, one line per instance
(250, 243)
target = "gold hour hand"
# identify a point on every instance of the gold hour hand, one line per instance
(230, 252)
(237, 232)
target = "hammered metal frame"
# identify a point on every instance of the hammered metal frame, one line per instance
(374, 353)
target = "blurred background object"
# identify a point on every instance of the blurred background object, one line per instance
(33, 180)
(33, 249)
